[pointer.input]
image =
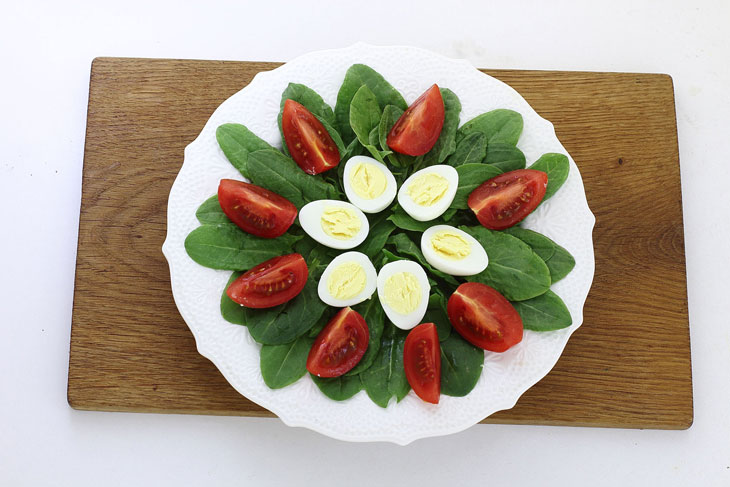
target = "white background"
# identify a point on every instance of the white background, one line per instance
(45, 53)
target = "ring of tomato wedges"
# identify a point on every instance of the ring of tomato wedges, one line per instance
(479, 313)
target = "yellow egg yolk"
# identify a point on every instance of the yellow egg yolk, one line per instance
(368, 181)
(339, 222)
(402, 292)
(428, 188)
(346, 281)
(450, 245)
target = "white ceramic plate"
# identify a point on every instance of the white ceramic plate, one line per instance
(565, 218)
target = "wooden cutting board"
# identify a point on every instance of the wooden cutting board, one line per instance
(628, 365)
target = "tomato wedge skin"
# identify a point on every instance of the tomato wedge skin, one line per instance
(256, 210)
(507, 199)
(340, 345)
(417, 130)
(422, 362)
(484, 318)
(309, 143)
(270, 283)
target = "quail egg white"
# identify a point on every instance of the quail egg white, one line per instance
(349, 279)
(428, 193)
(453, 251)
(369, 184)
(336, 224)
(403, 291)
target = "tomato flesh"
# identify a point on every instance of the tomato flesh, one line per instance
(256, 210)
(484, 317)
(309, 143)
(340, 345)
(507, 199)
(422, 362)
(418, 129)
(270, 283)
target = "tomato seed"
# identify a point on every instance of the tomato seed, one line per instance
(255, 220)
(268, 287)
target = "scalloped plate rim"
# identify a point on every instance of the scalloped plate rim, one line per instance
(401, 439)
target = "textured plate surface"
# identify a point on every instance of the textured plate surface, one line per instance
(565, 218)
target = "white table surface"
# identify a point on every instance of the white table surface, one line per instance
(46, 51)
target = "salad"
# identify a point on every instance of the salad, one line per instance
(380, 248)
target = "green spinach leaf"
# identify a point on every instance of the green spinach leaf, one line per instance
(436, 314)
(514, 269)
(461, 366)
(386, 377)
(305, 246)
(236, 142)
(557, 167)
(389, 256)
(210, 212)
(322, 322)
(359, 75)
(355, 148)
(380, 230)
(460, 217)
(501, 125)
(231, 311)
(545, 312)
(391, 114)
(470, 177)
(338, 388)
(276, 172)
(446, 143)
(471, 150)
(558, 260)
(503, 156)
(449, 214)
(318, 256)
(365, 121)
(373, 138)
(282, 365)
(374, 315)
(286, 322)
(560, 264)
(227, 247)
(404, 221)
(539, 243)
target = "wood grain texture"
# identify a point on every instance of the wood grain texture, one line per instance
(627, 366)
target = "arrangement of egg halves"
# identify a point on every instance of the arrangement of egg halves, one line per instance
(403, 287)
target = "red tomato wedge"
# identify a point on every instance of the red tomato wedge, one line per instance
(270, 283)
(507, 199)
(484, 317)
(422, 362)
(418, 129)
(254, 209)
(340, 345)
(309, 143)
